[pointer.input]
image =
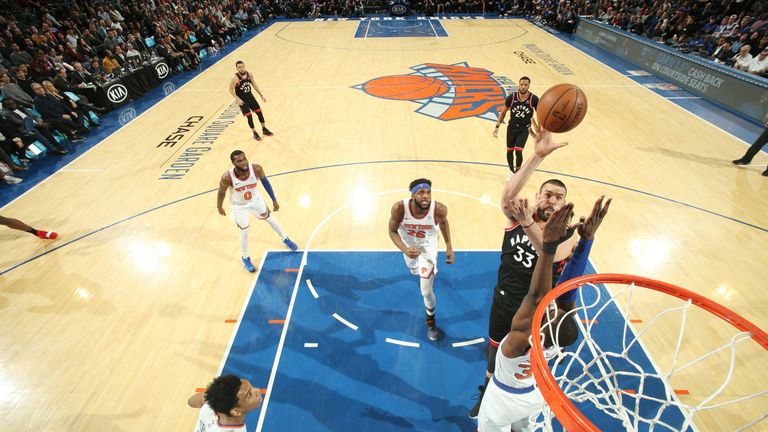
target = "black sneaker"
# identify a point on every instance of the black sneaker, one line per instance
(433, 333)
(741, 162)
(266, 132)
(475, 411)
(256, 136)
(765, 173)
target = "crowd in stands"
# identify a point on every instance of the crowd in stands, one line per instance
(52, 57)
(729, 32)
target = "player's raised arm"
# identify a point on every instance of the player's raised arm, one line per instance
(544, 145)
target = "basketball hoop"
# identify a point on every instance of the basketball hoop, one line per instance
(585, 373)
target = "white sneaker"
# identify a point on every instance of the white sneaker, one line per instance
(510, 175)
(12, 180)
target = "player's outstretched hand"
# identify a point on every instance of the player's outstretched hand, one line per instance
(521, 211)
(449, 256)
(556, 227)
(412, 252)
(222, 212)
(275, 206)
(542, 139)
(588, 225)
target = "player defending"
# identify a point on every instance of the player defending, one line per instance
(512, 395)
(521, 105)
(240, 89)
(21, 226)
(413, 229)
(242, 180)
(224, 404)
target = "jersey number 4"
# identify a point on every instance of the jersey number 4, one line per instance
(526, 261)
(417, 234)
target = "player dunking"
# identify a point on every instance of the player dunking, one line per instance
(413, 229)
(242, 180)
(512, 396)
(519, 250)
(240, 87)
(521, 105)
(21, 226)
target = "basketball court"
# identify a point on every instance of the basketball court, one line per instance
(143, 299)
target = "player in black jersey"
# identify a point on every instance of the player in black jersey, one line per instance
(240, 87)
(522, 240)
(521, 105)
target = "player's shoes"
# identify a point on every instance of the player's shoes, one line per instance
(433, 333)
(475, 411)
(266, 132)
(256, 136)
(740, 162)
(248, 264)
(47, 235)
(510, 175)
(12, 180)
(291, 244)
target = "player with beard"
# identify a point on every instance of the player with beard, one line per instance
(242, 180)
(519, 250)
(521, 105)
(413, 229)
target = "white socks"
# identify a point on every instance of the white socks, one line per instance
(427, 293)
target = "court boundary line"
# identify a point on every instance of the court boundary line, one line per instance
(254, 281)
(351, 164)
(152, 107)
(564, 40)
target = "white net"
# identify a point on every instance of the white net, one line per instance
(609, 378)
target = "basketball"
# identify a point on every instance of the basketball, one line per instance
(405, 87)
(561, 108)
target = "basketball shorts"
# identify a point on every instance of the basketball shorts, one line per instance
(501, 409)
(505, 304)
(425, 264)
(249, 105)
(257, 207)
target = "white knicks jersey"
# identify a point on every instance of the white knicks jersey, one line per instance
(207, 421)
(244, 192)
(516, 372)
(418, 232)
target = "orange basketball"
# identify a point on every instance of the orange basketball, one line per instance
(561, 108)
(405, 87)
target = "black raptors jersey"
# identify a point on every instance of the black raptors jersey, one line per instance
(518, 258)
(243, 87)
(520, 112)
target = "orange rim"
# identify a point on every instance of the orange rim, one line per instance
(569, 416)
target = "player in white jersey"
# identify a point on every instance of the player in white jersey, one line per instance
(242, 181)
(413, 229)
(224, 404)
(512, 396)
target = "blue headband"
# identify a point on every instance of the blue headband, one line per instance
(420, 186)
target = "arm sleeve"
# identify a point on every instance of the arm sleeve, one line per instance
(268, 188)
(575, 268)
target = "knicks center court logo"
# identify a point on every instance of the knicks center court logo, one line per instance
(446, 92)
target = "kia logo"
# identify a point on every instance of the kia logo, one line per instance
(127, 115)
(162, 70)
(168, 88)
(117, 93)
(399, 9)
